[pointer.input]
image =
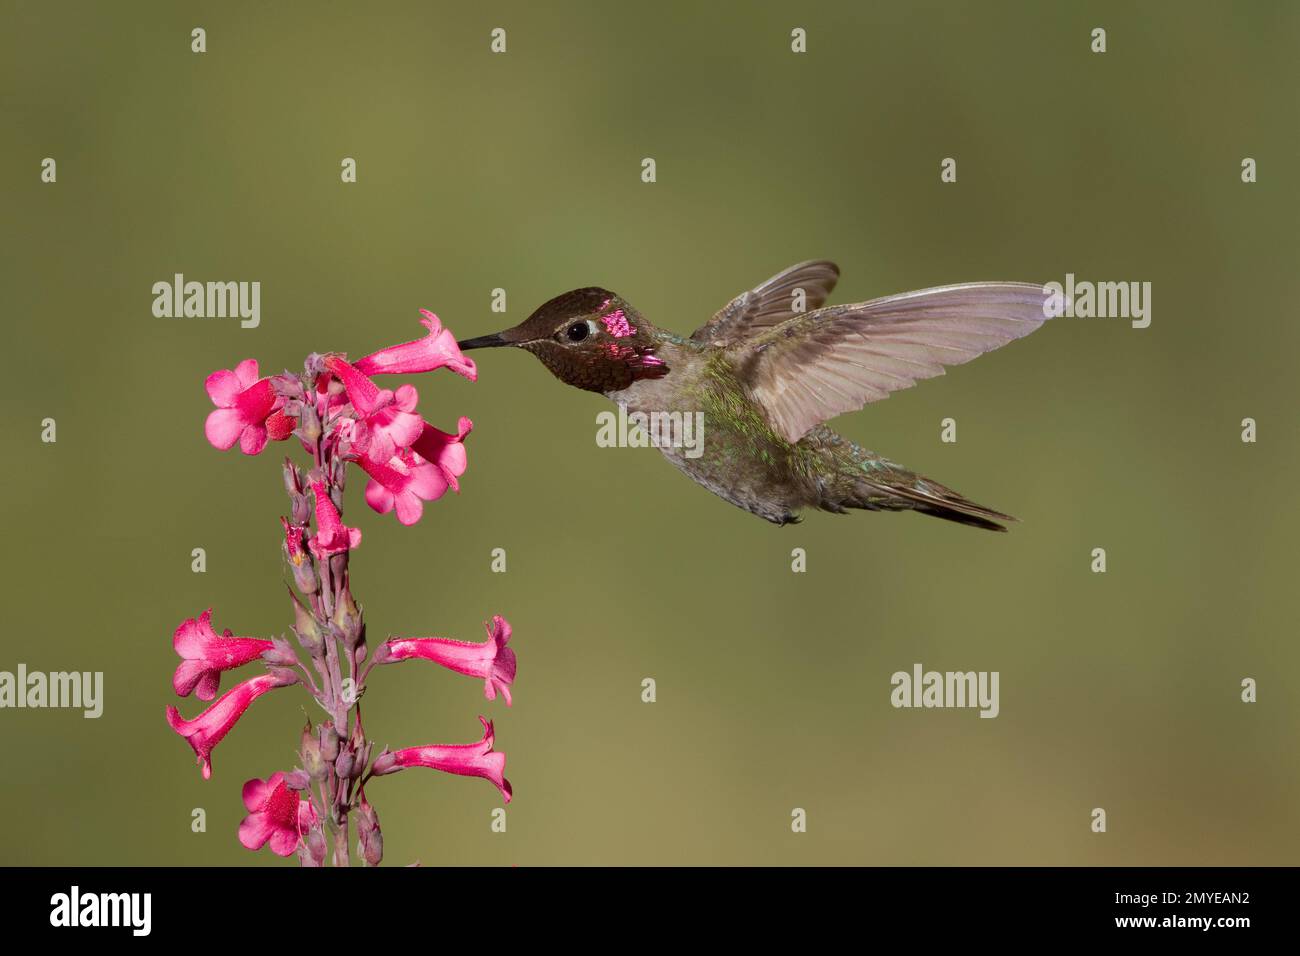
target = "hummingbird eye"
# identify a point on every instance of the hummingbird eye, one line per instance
(577, 332)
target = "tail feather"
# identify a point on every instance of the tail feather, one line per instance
(858, 478)
(963, 517)
(928, 497)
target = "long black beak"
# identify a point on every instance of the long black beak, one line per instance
(483, 342)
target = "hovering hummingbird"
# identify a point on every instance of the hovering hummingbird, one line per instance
(770, 368)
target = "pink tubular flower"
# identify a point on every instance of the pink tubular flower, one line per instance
(244, 403)
(333, 535)
(276, 814)
(390, 414)
(445, 451)
(491, 660)
(206, 730)
(404, 483)
(206, 655)
(435, 350)
(470, 760)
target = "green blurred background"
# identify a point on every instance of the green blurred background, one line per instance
(522, 171)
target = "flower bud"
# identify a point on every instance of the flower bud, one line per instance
(304, 578)
(370, 841)
(292, 478)
(305, 627)
(297, 779)
(385, 763)
(309, 424)
(293, 532)
(284, 676)
(343, 766)
(288, 385)
(312, 850)
(301, 510)
(329, 742)
(347, 616)
(309, 752)
(307, 858)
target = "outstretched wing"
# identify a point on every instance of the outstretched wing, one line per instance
(816, 366)
(770, 303)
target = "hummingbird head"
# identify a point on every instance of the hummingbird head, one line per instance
(589, 338)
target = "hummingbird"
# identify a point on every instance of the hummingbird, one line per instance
(770, 368)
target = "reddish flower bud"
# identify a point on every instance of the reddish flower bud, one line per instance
(309, 753)
(304, 578)
(332, 535)
(370, 841)
(285, 675)
(329, 742)
(312, 850)
(309, 424)
(347, 616)
(305, 627)
(280, 653)
(292, 478)
(343, 765)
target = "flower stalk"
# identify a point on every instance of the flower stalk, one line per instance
(338, 415)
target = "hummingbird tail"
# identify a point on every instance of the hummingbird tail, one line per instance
(975, 519)
(928, 497)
